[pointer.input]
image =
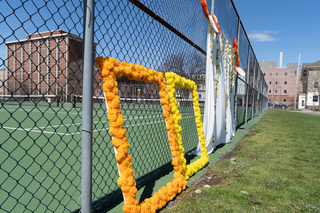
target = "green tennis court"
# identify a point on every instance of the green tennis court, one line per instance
(40, 152)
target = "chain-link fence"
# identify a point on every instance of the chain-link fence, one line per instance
(41, 52)
(41, 55)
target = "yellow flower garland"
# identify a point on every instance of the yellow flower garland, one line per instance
(110, 70)
(173, 81)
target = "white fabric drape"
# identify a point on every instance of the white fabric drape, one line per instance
(230, 91)
(220, 135)
(219, 119)
(209, 108)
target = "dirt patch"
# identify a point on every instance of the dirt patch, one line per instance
(230, 154)
(209, 178)
(213, 179)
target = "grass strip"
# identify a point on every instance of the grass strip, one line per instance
(276, 170)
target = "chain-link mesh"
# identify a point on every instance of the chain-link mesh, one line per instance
(41, 58)
(228, 19)
(41, 52)
(126, 32)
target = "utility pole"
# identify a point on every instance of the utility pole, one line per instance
(295, 95)
(87, 105)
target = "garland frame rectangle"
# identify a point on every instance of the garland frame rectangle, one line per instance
(110, 70)
(176, 81)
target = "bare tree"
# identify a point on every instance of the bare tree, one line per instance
(311, 80)
(316, 86)
(189, 66)
(75, 73)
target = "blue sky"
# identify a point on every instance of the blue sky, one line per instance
(288, 26)
(273, 26)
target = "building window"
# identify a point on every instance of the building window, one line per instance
(284, 100)
(315, 98)
(285, 82)
(276, 91)
(276, 82)
(269, 82)
(276, 74)
(270, 74)
(285, 91)
(285, 73)
(269, 91)
(269, 99)
(315, 85)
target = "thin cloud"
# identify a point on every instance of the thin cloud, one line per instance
(263, 36)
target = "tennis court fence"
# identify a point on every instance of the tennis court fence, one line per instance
(52, 109)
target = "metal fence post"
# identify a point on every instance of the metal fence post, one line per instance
(253, 84)
(235, 105)
(86, 155)
(248, 87)
(212, 6)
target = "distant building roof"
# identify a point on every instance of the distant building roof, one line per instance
(293, 68)
(268, 64)
(47, 34)
(315, 64)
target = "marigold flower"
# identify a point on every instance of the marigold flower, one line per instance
(133, 191)
(165, 113)
(126, 70)
(180, 82)
(110, 70)
(123, 148)
(120, 133)
(112, 117)
(117, 142)
(176, 161)
(113, 61)
(109, 96)
(146, 208)
(117, 123)
(122, 180)
(127, 173)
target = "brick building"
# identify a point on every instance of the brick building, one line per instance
(311, 87)
(282, 82)
(46, 63)
(2, 77)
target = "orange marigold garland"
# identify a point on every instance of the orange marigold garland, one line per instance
(173, 81)
(204, 6)
(205, 10)
(215, 19)
(236, 54)
(110, 70)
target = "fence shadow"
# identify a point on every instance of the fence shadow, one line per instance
(148, 181)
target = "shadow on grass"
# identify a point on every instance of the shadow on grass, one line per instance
(148, 191)
(148, 181)
(189, 158)
(218, 147)
(111, 200)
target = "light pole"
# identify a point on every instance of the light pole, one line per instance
(295, 94)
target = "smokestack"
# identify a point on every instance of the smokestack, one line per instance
(280, 60)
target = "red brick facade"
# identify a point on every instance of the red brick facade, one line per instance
(281, 85)
(47, 63)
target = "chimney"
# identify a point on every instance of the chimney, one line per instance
(280, 60)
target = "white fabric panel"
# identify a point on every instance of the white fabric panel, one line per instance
(230, 93)
(232, 111)
(219, 118)
(220, 133)
(209, 111)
